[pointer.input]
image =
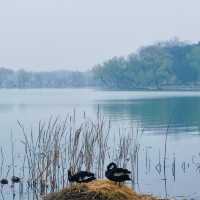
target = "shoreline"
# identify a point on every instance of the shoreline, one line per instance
(142, 89)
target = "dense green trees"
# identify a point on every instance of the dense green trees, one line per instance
(155, 66)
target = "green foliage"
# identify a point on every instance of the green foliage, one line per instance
(157, 66)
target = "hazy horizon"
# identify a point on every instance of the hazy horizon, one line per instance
(72, 35)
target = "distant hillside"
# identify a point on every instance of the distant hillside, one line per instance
(164, 65)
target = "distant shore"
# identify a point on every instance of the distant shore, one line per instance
(162, 88)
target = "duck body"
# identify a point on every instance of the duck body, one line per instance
(15, 179)
(116, 174)
(4, 181)
(81, 177)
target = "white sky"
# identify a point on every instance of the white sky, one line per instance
(77, 34)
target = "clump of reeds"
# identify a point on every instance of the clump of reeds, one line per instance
(63, 144)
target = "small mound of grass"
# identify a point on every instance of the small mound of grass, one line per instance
(98, 190)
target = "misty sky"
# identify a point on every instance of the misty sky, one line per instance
(77, 34)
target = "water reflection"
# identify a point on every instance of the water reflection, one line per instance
(184, 112)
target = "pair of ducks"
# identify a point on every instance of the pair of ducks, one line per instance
(14, 179)
(112, 173)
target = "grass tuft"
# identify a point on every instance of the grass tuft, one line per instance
(98, 190)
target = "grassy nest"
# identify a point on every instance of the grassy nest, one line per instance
(98, 190)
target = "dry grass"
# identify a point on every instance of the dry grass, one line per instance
(98, 190)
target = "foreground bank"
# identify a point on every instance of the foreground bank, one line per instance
(98, 190)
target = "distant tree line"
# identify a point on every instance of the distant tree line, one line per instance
(166, 64)
(55, 79)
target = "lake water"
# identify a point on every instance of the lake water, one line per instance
(152, 111)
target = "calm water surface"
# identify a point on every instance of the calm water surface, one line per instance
(153, 111)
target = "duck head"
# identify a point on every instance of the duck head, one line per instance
(112, 165)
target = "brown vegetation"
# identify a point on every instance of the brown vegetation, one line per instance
(98, 190)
